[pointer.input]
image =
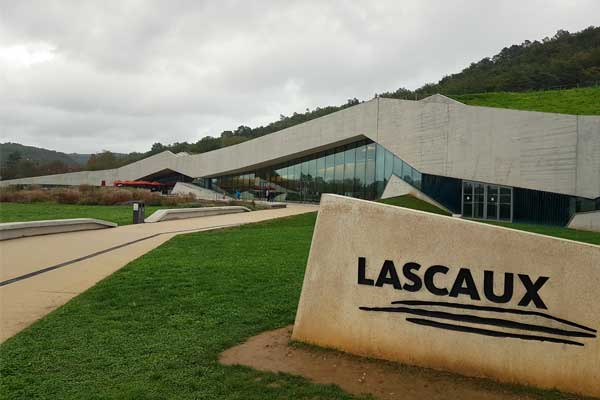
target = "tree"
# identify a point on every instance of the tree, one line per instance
(13, 159)
(104, 160)
(157, 148)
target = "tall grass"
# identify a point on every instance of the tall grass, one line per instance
(89, 195)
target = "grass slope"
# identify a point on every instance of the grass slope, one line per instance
(585, 101)
(409, 201)
(16, 212)
(556, 231)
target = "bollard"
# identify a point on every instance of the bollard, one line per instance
(138, 212)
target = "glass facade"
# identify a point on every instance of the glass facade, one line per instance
(361, 169)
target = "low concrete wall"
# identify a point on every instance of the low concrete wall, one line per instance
(441, 292)
(181, 213)
(270, 204)
(587, 221)
(199, 192)
(14, 230)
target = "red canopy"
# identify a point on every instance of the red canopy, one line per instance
(136, 183)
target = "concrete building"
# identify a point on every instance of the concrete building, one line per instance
(480, 162)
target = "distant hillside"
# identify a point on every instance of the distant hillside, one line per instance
(80, 159)
(565, 60)
(40, 155)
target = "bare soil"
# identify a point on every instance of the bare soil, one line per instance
(272, 351)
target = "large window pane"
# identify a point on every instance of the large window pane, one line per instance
(329, 173)
(339, 172)
(379, 171)
(311, 181)
(416, 177)
(359, 171)
(398, 167)
(478, 200)
(297, 179)
(304, 181)
(320, 175)
(370, 172)
(349, 159)
(389, 165)
(492, 202)
(505, 212)
(407, 173)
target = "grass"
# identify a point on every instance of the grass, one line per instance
(556, 231)
(409, 201)
(155, 328)
(572, 101)
(17, 212)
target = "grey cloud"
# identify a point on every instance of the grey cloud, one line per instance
(127, 73)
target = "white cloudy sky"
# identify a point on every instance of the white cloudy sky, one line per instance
(120, 75)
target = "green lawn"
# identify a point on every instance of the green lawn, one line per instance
(557, 231)
(16, 212)
(584, 101)
(155, 328)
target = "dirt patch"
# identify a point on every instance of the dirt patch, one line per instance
(271, 351)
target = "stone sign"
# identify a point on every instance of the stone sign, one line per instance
(446, 293)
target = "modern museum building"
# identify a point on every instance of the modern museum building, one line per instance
(478, 162)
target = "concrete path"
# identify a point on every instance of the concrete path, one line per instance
(39, 274)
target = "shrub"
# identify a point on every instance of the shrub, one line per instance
(36, 196)
(92, 195)
(67, 196)
(115, 196)
(87, 188)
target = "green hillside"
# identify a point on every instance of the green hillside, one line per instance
(35, 154)
(573, 101)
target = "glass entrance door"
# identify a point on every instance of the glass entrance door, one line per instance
(484, 201)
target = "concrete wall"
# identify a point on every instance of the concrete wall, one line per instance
(552, 152)
(586, 221)
(543, 151)
(462, 331)
(14, 230)
(588, 156)
(198, 192)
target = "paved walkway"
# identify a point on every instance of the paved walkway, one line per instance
(39, 274)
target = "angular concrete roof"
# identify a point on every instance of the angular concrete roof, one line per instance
(543, 151)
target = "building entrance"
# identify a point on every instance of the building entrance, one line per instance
(485, 201)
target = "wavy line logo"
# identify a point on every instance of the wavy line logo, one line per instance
(500, 322)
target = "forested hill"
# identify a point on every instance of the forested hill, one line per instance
(564, 60)
(39, 154)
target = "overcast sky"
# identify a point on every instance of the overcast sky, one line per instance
(81, 76)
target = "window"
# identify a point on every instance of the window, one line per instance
(349, 158)
(370, 172)
(398, 167)
(389, 165)
(359, 171)
(339, 172)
